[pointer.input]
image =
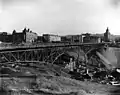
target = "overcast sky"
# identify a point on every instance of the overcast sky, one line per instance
(60, 16)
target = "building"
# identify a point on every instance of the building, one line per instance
(72, 38)
(77, 38)
(51, 38)
(107, 35)
(30, 37)
(66, 38)
(18, 37)
(26, 36)
(2, 36)
(8, 38)
(91, 39)
(5, 37)
(40, 39)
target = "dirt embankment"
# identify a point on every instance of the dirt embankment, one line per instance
(46, 79)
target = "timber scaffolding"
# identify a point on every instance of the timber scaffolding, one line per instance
(41, 53)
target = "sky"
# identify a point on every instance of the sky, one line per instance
(61, 17)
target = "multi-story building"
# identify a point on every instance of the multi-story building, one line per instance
(77, 38)
(108, 37)
(8, 38)
(72, 38)
(66, 38)
(40, 39)
(24, 36)
(18, 37)
(30, 36)
(5, 37)
(91, 39)
(51, 38)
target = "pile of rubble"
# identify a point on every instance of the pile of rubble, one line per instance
(95, 69)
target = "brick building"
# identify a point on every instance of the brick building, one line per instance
(26, 36)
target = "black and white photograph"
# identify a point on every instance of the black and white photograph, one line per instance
(59, 47)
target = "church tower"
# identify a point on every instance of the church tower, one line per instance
(107, 35)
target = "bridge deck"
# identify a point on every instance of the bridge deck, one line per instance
(50, 45)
